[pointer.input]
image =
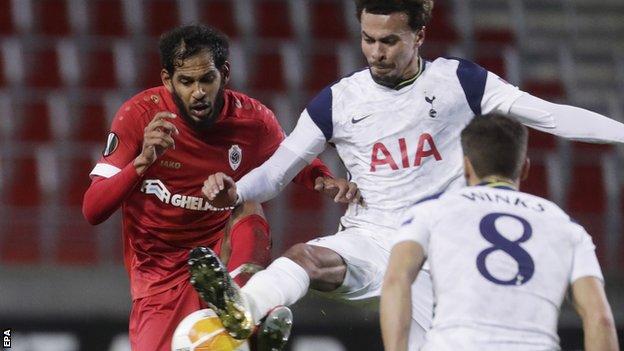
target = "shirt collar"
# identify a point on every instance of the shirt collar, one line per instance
(498, 183)
(410, 81)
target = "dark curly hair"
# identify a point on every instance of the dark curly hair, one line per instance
(183, 42)
(418, 11)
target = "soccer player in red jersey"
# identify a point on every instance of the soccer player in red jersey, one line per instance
(163, 144)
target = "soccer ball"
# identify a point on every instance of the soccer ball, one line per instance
(202, 331)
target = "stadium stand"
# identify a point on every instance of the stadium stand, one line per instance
(328, 20)
(105, 19)
(163, 14)
(51, 18)
(274, 15)
(21, 175)
(221, 14)
(40, 55)
(266, 71)
(21, 243)
(6, 18)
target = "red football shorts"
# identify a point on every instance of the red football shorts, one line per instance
(154, 318)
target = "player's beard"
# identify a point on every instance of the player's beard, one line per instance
(394, 78)
(389, 81)
(207, 122)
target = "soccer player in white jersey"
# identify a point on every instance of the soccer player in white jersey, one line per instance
(396, 127)
(501, 260)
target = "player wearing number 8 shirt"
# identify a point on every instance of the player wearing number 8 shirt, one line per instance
(500, 260)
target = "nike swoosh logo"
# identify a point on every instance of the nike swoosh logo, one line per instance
(354, 121)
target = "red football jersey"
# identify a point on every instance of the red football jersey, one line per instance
(165, 215)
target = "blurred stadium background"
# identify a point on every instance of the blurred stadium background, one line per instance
(67, 65)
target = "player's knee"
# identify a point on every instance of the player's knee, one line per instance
(246, 210)
(325, 267)
(304, 255)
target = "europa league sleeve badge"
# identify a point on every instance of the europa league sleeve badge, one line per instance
(112, 141)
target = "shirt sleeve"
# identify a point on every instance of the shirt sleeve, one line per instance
(320, 111)
(566, 121)
(273, 136)
(416, 228)
(584, 261)
(296, 151)
(485, 91)
(105, 195)
(114, 174)
(314, 128)
(268, 180)
(123, 143)
(499, 95)
(307, 141)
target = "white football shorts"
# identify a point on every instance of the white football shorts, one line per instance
(366, 255)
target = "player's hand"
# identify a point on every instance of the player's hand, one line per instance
(340, 189)
(157, 139)
(220, 190)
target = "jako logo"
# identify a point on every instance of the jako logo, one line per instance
(157, 188)
(171, 164)
(381, 156)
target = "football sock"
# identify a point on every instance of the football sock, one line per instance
(284, 282)
(251, 248)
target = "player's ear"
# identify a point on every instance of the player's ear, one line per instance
(467, 169)
(524, 173)
(420, 37)
(225, 72)
(166, 79)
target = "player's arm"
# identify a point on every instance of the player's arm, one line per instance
(308, 175)
(588, 294)
(111, 185)
(561, 120)
(590, 301)
(406, 259)
(566, 121)
(314, 176)
(264, 182)
(314, 129)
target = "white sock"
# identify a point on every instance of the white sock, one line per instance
(284, 282)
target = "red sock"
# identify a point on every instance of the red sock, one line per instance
(251, 248)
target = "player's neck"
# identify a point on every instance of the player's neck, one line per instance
(411, 78)
(496, 181)
(219, 106)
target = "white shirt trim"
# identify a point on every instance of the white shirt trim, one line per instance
(104, 170)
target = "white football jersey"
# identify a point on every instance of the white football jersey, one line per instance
(400, 146)
(501, 261)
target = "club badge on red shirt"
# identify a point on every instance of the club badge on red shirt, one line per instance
(235, 155)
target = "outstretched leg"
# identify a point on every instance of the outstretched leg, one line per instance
(215, 286)
(283, 283)
(289, 277)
